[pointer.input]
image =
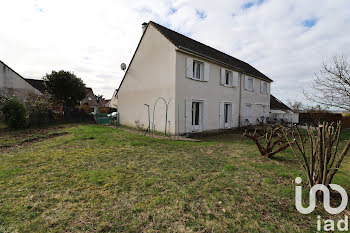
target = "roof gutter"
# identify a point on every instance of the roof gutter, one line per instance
(186, 50)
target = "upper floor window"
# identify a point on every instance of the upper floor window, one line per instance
(228, 78)
(263, 87)
(89, 98)
(197, 70)
(248, 83)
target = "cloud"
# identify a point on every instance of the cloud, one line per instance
(288, 41)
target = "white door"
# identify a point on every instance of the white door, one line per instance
(197, 112)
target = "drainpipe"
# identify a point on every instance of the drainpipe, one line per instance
(240, 100)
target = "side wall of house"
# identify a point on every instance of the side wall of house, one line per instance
(211, 92)
(214, 94)
(256, 100)
(12, 84)
(151, 75)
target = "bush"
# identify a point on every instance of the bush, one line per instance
(39, 107)
(13, 111)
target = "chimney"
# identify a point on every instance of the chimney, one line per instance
(144, 26)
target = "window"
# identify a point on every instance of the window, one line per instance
(89, 98)
(197, 70)
(196, 115)
(263, 87)
(226, 113)
(248, 85)
(263, 113)
(228, 78)
(248, 113)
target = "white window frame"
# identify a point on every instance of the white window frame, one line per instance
(263, 87)
(229, 73)
(249, 87)
(201, 70)
(249, 118)
(200, 116)
(227, 114)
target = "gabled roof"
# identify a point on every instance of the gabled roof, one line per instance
(30, 83)
(276, 104)
(186, 43)
(38, 84)
(92, 101)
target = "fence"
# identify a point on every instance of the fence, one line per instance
(316, 117)
(106, 119)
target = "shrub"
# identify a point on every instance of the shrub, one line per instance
(13, 111)
(39, 107)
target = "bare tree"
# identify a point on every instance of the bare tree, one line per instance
(295, 105)
(272, 140)
(318, 151)
(332, 84)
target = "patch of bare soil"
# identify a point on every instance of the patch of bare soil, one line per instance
(159, 136)
(31, 140)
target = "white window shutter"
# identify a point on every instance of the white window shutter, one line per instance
(234, 79)
(254, 85)
(268, 88)
(188, 116)
(222, 76)
(233, 115)
(205, 115)
(261, 86)
(189, 67)
(221, 115)
(206, 72)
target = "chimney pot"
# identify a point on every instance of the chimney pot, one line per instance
(144, 26)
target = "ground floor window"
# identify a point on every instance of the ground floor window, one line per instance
(227, 114)
(248, 113)
(196, 115)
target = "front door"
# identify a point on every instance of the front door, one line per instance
(196, 116)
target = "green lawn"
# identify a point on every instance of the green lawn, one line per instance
(101, 179)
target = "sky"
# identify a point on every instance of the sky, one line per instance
(286, 40)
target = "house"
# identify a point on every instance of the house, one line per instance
(104, 103)
(114, 100)
(279, 111)
(12, 83)
(205, 89)
(90, 101)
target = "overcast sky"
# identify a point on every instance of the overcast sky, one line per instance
(286, 40)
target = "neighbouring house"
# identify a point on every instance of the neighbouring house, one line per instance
(90, 101)
(12, 83)
(281, 112)
(114, 100)
(104, 103)
(206, 89)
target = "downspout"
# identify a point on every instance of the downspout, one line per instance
(239, 100)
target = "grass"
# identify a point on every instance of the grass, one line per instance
(101, 179)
